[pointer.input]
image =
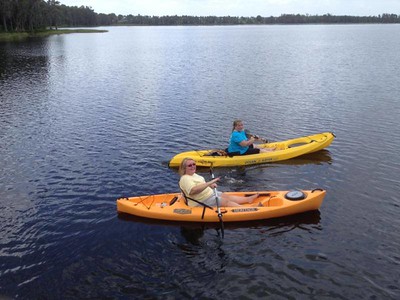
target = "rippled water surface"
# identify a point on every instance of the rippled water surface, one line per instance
(87, 118)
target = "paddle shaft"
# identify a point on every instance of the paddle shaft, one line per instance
(216, 197)
(218, 207)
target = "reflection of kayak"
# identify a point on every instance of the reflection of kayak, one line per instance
(284, 150)
(322, 156)
(270, 204)
(293, 221)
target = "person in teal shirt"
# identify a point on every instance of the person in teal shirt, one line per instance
(239, 144)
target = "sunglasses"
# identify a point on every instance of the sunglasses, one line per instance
(190, 165)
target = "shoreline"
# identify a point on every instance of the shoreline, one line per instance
(18, 36)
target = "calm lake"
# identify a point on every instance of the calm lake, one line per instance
(88, 118)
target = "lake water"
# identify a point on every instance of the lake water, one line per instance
(88, 118)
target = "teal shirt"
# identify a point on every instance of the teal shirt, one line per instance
(236, 138)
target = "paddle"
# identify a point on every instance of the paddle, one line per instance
(218, 207)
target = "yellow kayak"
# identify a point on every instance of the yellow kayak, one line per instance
(269, 204)
(284, 150)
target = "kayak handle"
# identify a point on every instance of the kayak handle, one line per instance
(173, 200)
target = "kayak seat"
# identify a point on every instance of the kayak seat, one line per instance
(231, 154)
(199, 202)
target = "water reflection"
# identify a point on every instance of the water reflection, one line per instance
(192, 235)
(24, 60)
(317, 158)
(193, 232)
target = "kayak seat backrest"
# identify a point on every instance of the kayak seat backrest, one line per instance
(199, 202)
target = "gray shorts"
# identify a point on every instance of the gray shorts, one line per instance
(211, 200)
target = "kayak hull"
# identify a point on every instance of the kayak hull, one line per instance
(172, 207)
(284, 150)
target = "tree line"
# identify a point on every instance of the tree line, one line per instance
(229, 20)
(32, 15)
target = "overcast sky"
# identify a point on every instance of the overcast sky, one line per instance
(239, 8)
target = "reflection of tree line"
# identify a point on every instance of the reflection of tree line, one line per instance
(30, 15)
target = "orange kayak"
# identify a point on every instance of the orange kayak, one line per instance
(269, 204)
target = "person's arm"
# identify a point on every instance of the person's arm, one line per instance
(257, 138)
(202, 186)
(246, 143)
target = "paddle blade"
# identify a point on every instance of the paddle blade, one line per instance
(221, 224)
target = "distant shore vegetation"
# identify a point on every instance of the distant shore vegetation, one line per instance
(36, 15)
(17, 36)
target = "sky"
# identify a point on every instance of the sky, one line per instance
(245, 8)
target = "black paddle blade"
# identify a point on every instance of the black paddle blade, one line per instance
(221, 223)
